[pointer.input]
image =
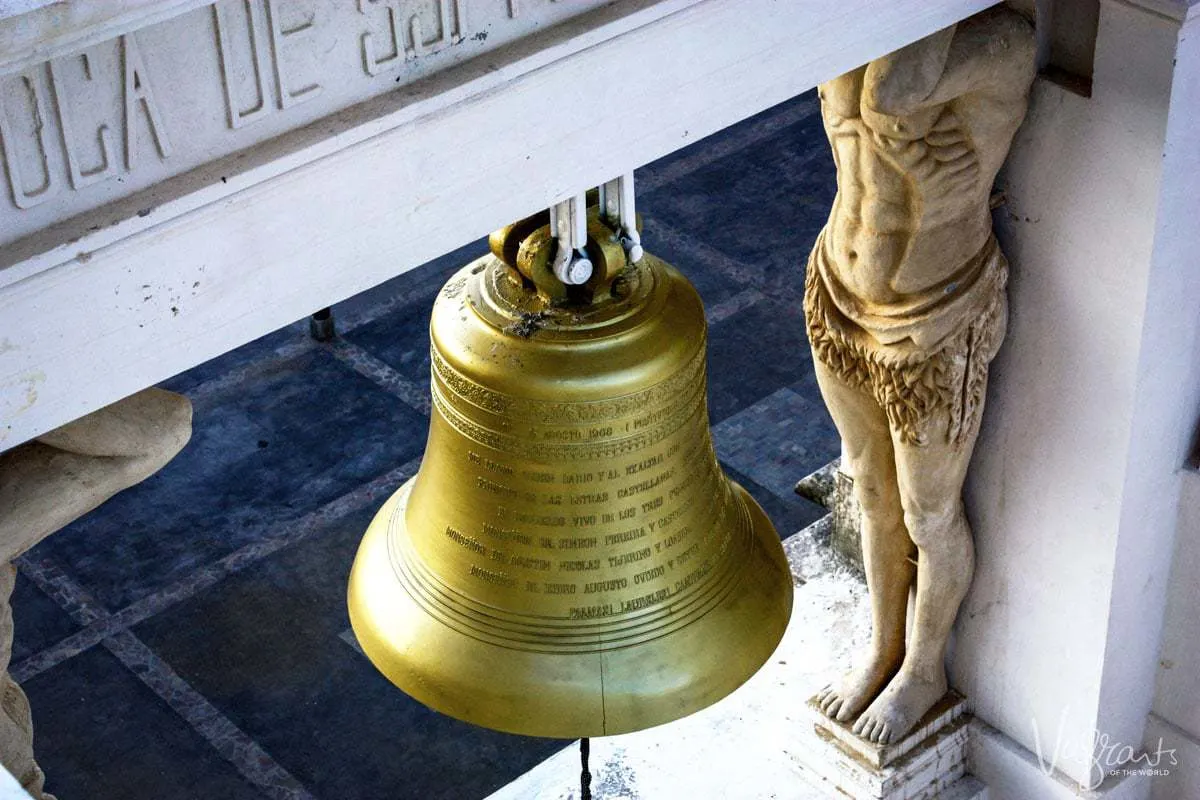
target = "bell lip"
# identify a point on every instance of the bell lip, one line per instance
(580, 707)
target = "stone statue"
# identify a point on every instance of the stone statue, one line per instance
(51, 481)
(905, 307)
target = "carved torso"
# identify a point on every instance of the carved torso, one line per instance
(911, 209)
(904, 291)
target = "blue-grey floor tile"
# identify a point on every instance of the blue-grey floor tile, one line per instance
(788, 514)
(733, 137)
(101, 734)
(806, 386)
(304, 433)
(400, 337)
(37, 621)
(754, 353)
(778, 440)
(762, 205)
(261, 350)
(265, 648)
(713, 284)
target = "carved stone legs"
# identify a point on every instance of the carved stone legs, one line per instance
(868, 457)
(914, 533)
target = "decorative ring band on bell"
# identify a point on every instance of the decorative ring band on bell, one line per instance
(570, 559)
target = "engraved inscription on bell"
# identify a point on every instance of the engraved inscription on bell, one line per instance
(569, 560)
(599, 518)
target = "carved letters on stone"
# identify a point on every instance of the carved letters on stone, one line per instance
(82, 129)
(48, 98)
(406, 34)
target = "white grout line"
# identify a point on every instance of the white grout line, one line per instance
(418, 286)
(691, 247)
(234, 745)
(350, 639)
(730, 306)
(212, 390)
(100, 625)
(382, 374)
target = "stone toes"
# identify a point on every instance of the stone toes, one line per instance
(835, 707)
(872, 729)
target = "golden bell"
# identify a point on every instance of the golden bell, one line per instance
(570, 559)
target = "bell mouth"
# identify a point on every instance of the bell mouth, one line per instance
(566, 678)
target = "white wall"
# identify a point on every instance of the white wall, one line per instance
(1176, 719)
(1169, 393)
(1074, 488)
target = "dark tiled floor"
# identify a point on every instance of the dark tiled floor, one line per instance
(248, 357)
(755, 353)
(38, 620)
(293, 436)
(213, 660)
(283, 676)
(101, 733)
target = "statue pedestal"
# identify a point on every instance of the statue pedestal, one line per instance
(929, 762)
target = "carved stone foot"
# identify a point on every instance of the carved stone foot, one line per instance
(845, 700)
(906, 698)
(930, 762)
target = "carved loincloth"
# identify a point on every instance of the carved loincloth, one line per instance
(925, 357)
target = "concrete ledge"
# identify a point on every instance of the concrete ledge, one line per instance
(1013, 773)
(1180, 759)
(252, 241)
